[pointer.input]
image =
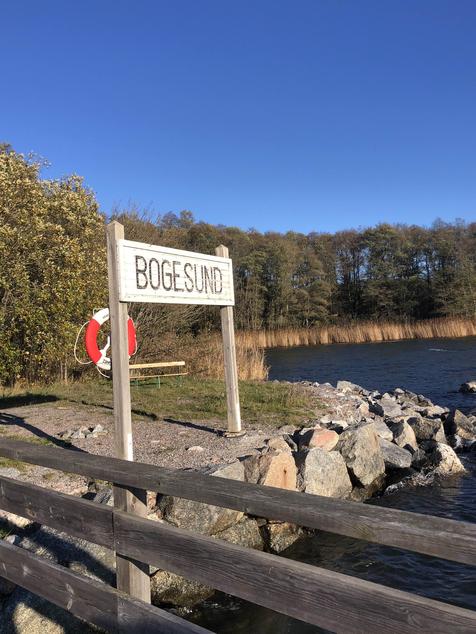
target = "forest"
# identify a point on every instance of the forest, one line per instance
(53, 272)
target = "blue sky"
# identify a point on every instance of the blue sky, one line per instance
(306, 115)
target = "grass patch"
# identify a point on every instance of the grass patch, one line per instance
(7, 463)
(33, 439)
(194, 399)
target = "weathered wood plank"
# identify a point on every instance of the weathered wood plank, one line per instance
(132, 577)
(328, 599)
(78, 517)
(86, 598)
(426, 534)
(159, 364)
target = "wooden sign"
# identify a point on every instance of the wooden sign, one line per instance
(149, 273)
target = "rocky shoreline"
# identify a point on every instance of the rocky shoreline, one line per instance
(365, 445)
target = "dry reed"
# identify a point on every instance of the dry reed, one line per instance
(359, 332)
(209, 362)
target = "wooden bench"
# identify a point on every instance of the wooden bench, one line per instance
(138, 367)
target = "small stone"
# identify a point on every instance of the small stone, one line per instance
(196, 448)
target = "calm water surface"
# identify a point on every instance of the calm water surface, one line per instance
(434, 368)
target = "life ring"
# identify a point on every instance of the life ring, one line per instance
(99, 355)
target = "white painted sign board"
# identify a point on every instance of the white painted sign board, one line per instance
(149, 273)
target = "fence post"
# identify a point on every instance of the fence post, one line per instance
(229, 355)
(131, 576)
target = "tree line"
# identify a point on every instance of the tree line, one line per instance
(53, 271)
(387, 272)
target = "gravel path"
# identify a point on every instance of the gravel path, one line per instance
(170, 443)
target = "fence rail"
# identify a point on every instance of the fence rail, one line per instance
(328, 599)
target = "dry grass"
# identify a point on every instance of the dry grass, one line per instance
(249, 358)
(362, 332)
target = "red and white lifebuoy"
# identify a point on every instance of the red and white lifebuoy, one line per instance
(99, 355)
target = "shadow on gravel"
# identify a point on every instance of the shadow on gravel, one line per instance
(182, 423)
(10, 419)
(23, 612)
(26, 399)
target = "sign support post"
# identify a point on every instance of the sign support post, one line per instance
(229, 355)
(132, 576)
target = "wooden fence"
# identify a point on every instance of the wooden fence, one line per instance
(332, 600)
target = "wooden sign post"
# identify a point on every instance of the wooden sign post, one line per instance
(139, 272)
(229, 356)
(131, 576)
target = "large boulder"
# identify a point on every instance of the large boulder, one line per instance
(203, 518)
(280, 443)
(457, 424)
(387, 406)
(271, 468)
(323, 438)
(444, 459)
(434, 411)
(394, 456)
(280, 536)
(424, 428)
(245, 533)
(361, 493)
(468, 387)
(324, 473)
(167, 588)
(361, 451)
(403, 435)
(347, 386)
(383, 430)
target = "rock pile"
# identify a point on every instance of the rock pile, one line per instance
(83, 432)
(368, 443)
